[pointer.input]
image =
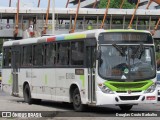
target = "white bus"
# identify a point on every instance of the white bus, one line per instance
(95, 67)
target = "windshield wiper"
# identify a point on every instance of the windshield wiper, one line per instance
(139, 52)
(119, 49)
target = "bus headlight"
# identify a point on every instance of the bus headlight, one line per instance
(105, 89)
(151, 89)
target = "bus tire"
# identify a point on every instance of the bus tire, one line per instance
(77, 104)
(36, 101)
(27, 94)
(125, 107)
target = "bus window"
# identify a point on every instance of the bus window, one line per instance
(37, 55)
(50, 52)
(77, 53)
(27, 56)
(63, 54)
(7, 57)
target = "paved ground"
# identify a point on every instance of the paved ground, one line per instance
(63, 111)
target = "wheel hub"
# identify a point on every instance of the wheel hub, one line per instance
(77, 99)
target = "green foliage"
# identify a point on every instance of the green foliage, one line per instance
(116, 4)
(157, 55)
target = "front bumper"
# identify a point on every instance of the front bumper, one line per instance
(126, 98)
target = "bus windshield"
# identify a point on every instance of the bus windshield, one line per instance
(127, 62)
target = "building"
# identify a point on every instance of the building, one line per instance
(90, 3)
(143, 5)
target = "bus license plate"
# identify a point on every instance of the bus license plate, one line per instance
(151, 97)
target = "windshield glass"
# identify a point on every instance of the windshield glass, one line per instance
(126, 62)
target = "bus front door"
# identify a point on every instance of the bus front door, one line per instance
(91, 60)
(15, 68)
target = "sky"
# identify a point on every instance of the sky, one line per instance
(44, 3)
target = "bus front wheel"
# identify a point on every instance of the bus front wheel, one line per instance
(77, 104)
(27, 94)
(125, 107)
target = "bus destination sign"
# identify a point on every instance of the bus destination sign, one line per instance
(125, 37)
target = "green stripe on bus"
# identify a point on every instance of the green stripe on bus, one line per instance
(82, 79)
(125, 86)
(68, 37)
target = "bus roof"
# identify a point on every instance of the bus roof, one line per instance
(77, 35)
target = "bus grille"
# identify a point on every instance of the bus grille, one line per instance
(129, 97)
(133, 85)
(127, 91)
(120, 87)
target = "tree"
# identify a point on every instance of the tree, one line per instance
(116, 4)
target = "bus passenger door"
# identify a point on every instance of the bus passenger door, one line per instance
(15, 69)
(91, 60)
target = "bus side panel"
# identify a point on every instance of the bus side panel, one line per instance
(65, 78)
(50, 81)
(7, 80)
(80, 78)
(43, 80)
(24, 75)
